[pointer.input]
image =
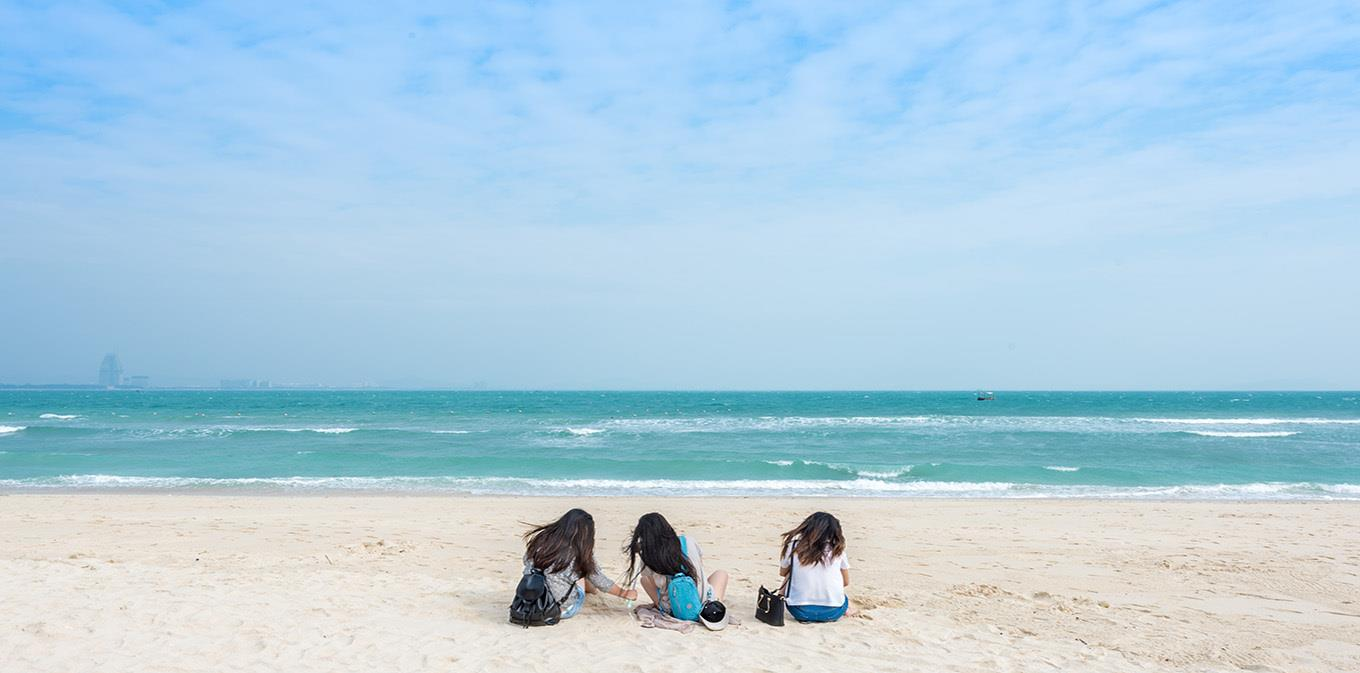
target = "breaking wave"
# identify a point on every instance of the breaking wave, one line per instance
(1252, 421)
(768, 423)
(1064, 424)
(869, 473)
(582, 432)
(618, 487)
(884, 474)
(1233, 433)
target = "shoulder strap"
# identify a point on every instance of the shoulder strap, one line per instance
(793, 560)
(684, 548)
(570, 588)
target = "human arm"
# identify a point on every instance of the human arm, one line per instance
(626, 594)
(601, 582)
(653, 591)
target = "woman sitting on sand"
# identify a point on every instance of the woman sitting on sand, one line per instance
(565, 551)
(656, 543)
(815, 553)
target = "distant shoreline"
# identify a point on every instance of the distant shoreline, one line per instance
(716, 391)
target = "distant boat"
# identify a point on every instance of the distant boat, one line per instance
(987, 396)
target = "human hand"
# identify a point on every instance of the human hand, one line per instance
(630, 594)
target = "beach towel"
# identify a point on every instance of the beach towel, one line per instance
(649, 617)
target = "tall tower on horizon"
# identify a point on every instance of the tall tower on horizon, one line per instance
(111, 371)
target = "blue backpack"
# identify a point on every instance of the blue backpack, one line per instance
(684, 593)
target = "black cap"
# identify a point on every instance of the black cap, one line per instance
(713, 611)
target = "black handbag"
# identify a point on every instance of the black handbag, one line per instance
(770, 604)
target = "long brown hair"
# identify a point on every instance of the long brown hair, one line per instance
(655, 542)
(819, 539)
(565, 543)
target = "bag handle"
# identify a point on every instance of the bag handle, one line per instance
(788, 579)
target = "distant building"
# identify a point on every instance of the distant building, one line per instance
(242, 384)
(111, 371)
(137, 382)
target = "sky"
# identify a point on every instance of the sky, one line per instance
(750, 195)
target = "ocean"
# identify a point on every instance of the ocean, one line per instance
(1170, 445)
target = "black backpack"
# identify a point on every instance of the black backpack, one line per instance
(534, 604)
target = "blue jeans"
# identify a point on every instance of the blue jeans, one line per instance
(573, 602)
(819, 613)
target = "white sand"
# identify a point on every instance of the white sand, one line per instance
(214, 583)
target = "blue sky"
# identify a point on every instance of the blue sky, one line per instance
(690, 195)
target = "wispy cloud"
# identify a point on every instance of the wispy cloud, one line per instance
(593, 156)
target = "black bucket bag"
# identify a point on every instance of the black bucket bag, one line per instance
(770, 604)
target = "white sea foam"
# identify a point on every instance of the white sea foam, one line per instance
(515, 485)
(610, 487)
(8, 429)
(761, 423)
(1061, 468)
(58, 417)
(1065, 424)
(223, 429)
(583, 432)
(1232, 433)
(1252, 421)
(838, 467)
(220, 430)
(884, 474)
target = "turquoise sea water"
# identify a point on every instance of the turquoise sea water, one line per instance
(1023, 444)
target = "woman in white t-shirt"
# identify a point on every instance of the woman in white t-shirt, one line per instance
(814, 553)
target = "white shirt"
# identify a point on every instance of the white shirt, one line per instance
(820, 584)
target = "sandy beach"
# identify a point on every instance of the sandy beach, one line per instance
(376, 583)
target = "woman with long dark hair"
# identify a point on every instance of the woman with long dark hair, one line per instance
(565, 551)
(814, 553)
(663, 555)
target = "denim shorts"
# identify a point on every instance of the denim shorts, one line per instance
(573, 602)
(819, 613)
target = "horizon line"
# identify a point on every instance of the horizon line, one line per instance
(90, 387)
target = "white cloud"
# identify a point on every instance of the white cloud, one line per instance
(775, 154)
